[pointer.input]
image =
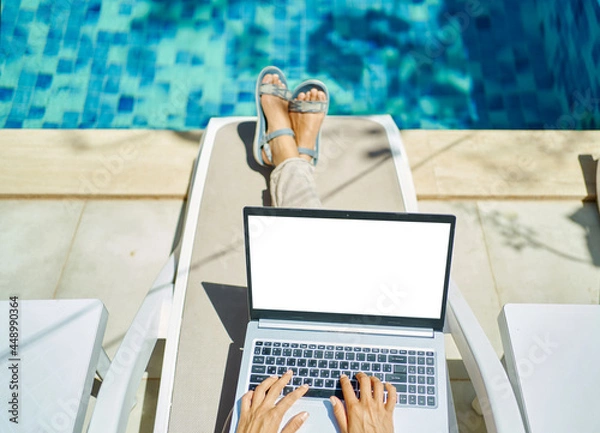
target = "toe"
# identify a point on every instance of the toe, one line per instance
(268, 79)
(301, 96)
(321, 96)
(313, 94)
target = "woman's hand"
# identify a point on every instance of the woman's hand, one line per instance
(262, 413)
(369, 413)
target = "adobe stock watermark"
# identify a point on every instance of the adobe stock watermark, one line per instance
(392, 297)
(513, 175)
(61, 421)
(100, 179)
(540, 350)
(438, 42)
(584, 105)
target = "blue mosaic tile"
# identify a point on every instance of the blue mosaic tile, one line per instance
(111, 86)
(10, 123)
(18, 111)
(70, 119)
(126, 104)
(6, 94)
(92, 102)
(26, 16)
(125, 9)
(245, 97)
(65, 66)
(140, 122)
(10, 11)
(197, 60)
(182, 57)
(36, 112)
(95, 85)
(105, 119)
(27, 79)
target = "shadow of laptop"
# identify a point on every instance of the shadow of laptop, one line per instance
(231, 304)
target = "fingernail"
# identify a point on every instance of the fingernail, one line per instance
(332, 400)
(304, 386)
(304, 416)
(289, 372)
(274, 377)
(343, 375)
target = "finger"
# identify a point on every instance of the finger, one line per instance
(364, 383)
(246, 402)
(261, 390)
(347, 390)
(339, 411)
(390, 404)
(277, 387)
(377, 389)
(286, 402)
(295, 423)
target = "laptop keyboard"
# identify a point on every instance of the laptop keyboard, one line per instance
(411, 371)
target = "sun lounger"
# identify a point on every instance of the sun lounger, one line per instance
(363, 165)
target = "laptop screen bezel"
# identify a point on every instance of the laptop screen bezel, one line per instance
(434, 323)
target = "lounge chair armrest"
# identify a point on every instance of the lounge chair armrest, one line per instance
(492, 386)
(118, 389)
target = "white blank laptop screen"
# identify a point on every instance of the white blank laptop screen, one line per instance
(331, 265)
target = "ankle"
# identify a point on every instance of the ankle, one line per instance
(283, 148)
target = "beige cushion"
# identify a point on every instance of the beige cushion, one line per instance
(355, 171)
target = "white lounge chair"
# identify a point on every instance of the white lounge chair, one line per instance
(363, 165)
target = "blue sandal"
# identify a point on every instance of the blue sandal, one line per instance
(261, 138)
(310, 107)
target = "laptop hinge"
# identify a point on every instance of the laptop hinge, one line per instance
(347, 328)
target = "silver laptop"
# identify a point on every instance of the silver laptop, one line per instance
(338, 292)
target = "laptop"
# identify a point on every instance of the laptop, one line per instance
(337, 292)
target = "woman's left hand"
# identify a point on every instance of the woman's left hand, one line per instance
(262, 413)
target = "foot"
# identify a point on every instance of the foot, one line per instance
(306, 126)
(276, 113)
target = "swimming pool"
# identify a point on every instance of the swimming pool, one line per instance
(175, 64)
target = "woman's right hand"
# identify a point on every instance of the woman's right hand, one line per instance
(369, 413)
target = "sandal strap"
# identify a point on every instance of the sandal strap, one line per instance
(272, 89)
(308, 106)
(278, 133)
(265, 144)
(306, 151)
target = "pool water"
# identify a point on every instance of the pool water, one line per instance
(174, 64)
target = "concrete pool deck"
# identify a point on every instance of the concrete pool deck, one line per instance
(93, 213)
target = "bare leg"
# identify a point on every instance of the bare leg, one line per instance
(306, 126)
(292, 181)
(276, 112)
